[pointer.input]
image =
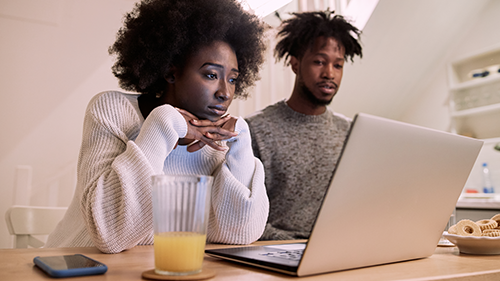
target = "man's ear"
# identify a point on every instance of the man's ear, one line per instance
(295, 63)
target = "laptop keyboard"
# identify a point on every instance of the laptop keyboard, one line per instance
(294, 255)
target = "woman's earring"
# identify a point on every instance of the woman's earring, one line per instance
(159, 94)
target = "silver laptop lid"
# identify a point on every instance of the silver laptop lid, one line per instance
(391, 196)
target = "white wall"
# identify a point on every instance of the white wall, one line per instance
(431, 109)
(54, 59)
(403, 43)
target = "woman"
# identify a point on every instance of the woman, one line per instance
(187, 59)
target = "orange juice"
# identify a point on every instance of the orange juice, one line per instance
(179, 252)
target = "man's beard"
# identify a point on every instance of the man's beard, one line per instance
(310, 96)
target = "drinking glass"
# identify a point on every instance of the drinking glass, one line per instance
(180, 218)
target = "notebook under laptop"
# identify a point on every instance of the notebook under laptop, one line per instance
(389, 200)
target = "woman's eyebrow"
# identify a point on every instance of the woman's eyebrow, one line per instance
(218, 66)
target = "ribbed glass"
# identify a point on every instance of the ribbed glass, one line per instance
(181, 205)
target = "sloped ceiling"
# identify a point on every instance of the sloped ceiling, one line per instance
(403, 42)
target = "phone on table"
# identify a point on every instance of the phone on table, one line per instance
(70, 265)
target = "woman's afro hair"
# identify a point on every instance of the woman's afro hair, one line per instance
(298, 34)
(160, 34)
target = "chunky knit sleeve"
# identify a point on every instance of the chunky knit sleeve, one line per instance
(114, 171)
(239, 200)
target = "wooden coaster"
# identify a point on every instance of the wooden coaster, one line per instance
(204, 274)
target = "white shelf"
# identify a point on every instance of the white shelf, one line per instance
(478, 82)
(476, 110)
(475, 102)
(459, 68)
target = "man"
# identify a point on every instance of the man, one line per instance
(299, 140)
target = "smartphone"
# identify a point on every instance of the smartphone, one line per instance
(70, 265)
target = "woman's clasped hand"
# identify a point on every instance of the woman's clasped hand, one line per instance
(206, 132)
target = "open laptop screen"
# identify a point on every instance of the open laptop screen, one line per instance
(391, 195)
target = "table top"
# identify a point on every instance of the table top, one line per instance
(445, 264)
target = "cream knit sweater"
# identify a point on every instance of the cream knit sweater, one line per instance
(111, 207)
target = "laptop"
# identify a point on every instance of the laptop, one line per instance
(389, 200)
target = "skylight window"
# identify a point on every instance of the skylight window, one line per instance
(357, 11)
(263, 8)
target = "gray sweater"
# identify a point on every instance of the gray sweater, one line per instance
(299, 153)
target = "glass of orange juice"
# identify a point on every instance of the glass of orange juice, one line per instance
(180, 218)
